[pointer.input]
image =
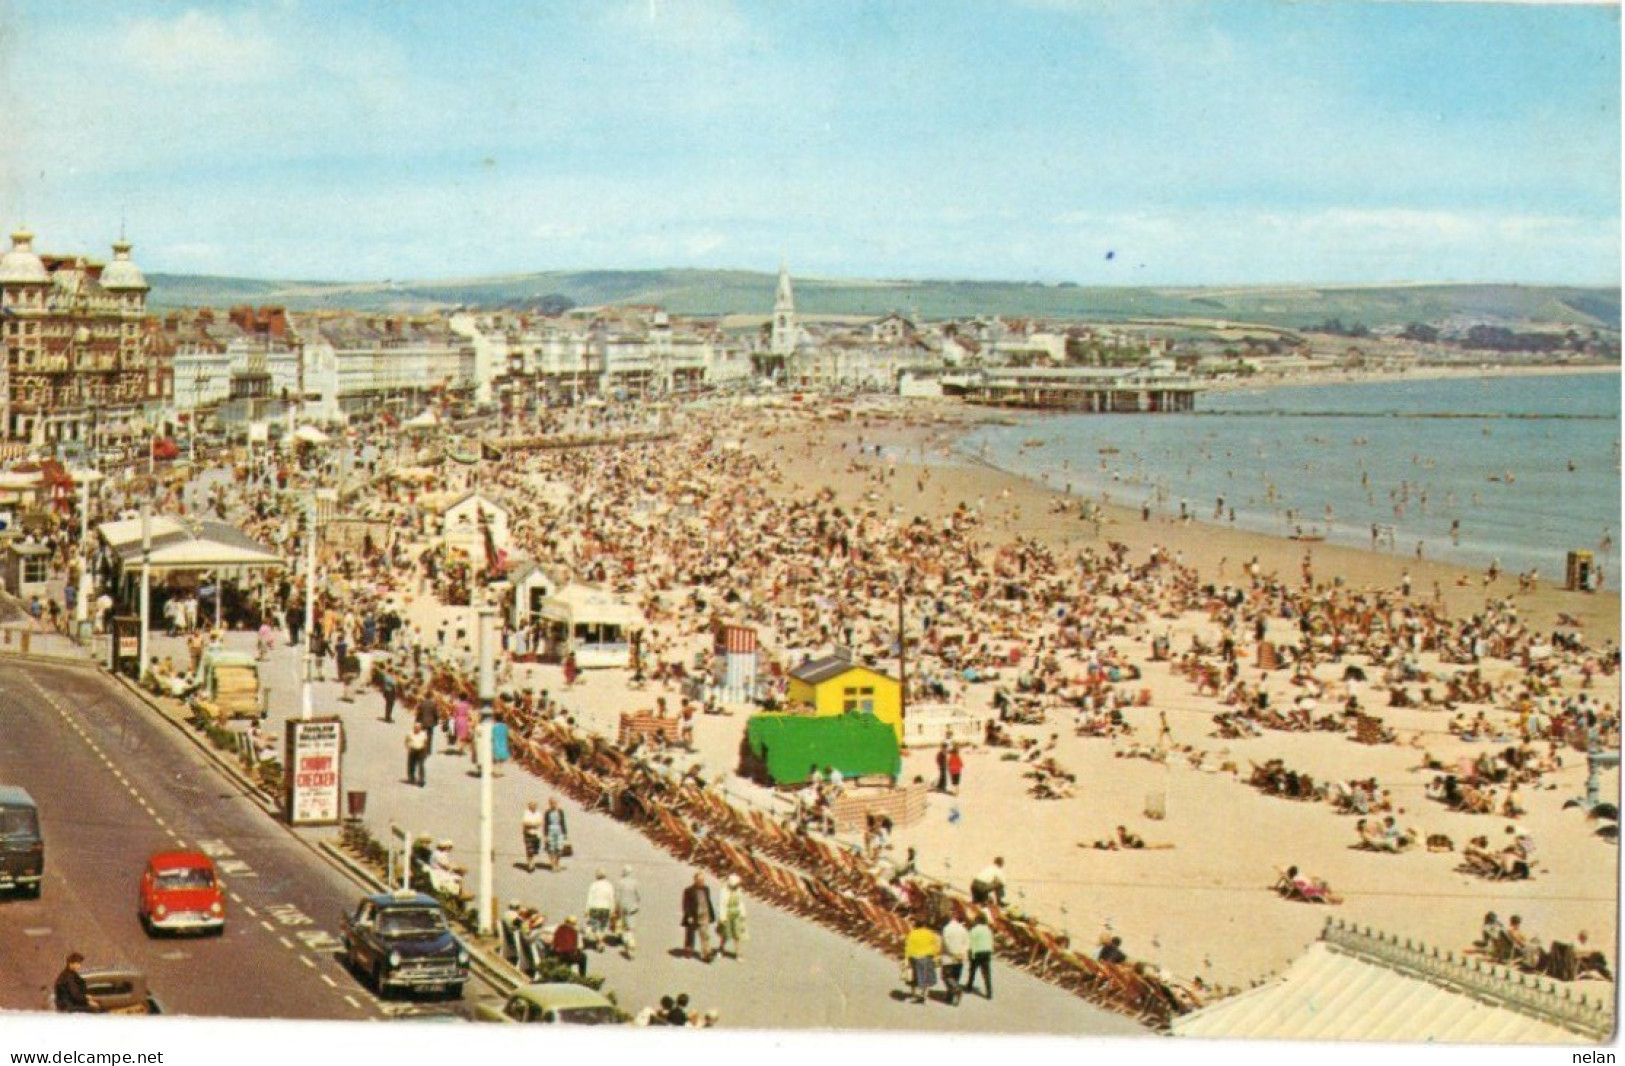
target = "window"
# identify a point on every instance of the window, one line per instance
(36, 569)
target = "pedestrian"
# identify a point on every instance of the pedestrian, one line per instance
(731, 929)
(920, 950)
(571, 670)
(600, 909)
(556, 832)
(530, 829)
(386, 685)
(956, 766)
(699, 914)
(70, 994)
(981, 955)
(567, 946)
(955, 949)
(628, 902)
(942, 768)
(428, 716)
(460, 712)
(417, 754)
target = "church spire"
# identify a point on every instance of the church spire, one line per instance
(784, 316)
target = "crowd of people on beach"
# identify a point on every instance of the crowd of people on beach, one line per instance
(701, 526)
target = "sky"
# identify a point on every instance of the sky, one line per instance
(1135, 143)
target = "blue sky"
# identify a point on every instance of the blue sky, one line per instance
(1239, 142)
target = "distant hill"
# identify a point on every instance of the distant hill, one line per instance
(705, 293)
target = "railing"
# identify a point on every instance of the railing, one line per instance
(1538, 998)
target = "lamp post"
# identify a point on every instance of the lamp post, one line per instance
(487, 693)
(310, 605)
(146, 588)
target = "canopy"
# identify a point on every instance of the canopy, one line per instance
(587, 604)
(786, 746)
(311, 435)
(203, 545)
(426, 419)
(1334, 995)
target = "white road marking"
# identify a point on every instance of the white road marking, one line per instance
(352, 1002)
(235, 898)
(307, 962)
(330, 982)
(269, 928)
(38, 930)
(250, 911)
(174, 956)
(286, 942)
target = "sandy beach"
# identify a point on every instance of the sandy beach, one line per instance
(1203, 906)
(786, 514)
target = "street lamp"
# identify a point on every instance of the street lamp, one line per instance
(310, 605)
(146, 588)
(486, 632)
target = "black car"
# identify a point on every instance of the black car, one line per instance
(22, 849)
(401, 940)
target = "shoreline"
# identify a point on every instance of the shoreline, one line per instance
(1206, 545)
(1302, 378)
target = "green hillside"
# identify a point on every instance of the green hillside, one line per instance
(720, 292)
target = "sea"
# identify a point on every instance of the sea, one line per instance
(1469, 470)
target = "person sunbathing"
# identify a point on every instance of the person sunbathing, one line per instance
(1297, 886)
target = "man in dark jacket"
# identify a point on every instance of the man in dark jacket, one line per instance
(71, 995)
(699, 915)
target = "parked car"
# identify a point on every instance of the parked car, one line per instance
(22, 848)
(552, 1003)
(119, 990)
(401, 940)
(180, 893)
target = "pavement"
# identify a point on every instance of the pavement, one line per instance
(793, 974)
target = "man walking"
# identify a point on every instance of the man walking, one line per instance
(600, 908)
(628, 902)
(417, 754)
(981, 955)
(427, 718)
(699, 914)
(386, 685)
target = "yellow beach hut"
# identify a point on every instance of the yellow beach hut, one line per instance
(837, 685)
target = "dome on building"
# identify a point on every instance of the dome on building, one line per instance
(21, 265)
(122, 273)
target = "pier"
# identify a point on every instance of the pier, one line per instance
(1081, 390)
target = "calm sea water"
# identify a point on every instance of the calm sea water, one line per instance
(1526, 468)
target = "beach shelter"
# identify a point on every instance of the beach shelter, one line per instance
(311, 435)
(1359, 985)
(591, 623)
(782, 749)
(836, 685)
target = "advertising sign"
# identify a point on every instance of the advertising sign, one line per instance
(315, 756)
(259, 432)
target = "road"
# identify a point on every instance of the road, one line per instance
(115, 784)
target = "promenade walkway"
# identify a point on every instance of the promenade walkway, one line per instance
(794, 974)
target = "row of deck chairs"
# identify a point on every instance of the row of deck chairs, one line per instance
(822, 880)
